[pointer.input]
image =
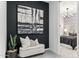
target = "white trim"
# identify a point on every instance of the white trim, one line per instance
(3, 29)
(58, 28)
(77, 28)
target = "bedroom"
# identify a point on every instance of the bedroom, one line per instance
(68, 28)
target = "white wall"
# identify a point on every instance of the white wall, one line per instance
(2, 29)
(53, 25)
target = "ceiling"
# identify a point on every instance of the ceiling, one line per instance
(72, 5)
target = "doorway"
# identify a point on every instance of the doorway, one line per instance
(68, 29)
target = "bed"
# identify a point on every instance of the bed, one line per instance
(69, 40)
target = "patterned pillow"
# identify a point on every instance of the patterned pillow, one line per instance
(32, 43)
(36, 41)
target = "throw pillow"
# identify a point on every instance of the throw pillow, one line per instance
(22, 41)
(27, 37)
(32, 43)
(36, 41)
(25, 42)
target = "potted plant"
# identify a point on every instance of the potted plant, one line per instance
(12, 52)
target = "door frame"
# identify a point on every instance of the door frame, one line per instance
(76, 26)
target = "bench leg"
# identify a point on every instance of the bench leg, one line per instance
(73, 48)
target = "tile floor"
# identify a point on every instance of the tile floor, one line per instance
(47, 54)
(66, 51)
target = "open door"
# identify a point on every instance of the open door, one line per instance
(68, 29)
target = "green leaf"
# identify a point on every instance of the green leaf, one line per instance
(11, 40)
(14, 41)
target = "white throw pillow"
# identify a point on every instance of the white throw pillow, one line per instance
(27, 38)
(22, 41)
(36, 41)
(32, 43)
(25, 42)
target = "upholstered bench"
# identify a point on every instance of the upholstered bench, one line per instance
(30, 47)
(25, 52)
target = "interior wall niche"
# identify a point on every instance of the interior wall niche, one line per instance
(40, 28)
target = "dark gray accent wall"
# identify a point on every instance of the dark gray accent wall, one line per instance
(12, 21)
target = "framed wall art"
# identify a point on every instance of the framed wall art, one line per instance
(29, 20)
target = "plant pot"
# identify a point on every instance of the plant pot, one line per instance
(12, 53)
